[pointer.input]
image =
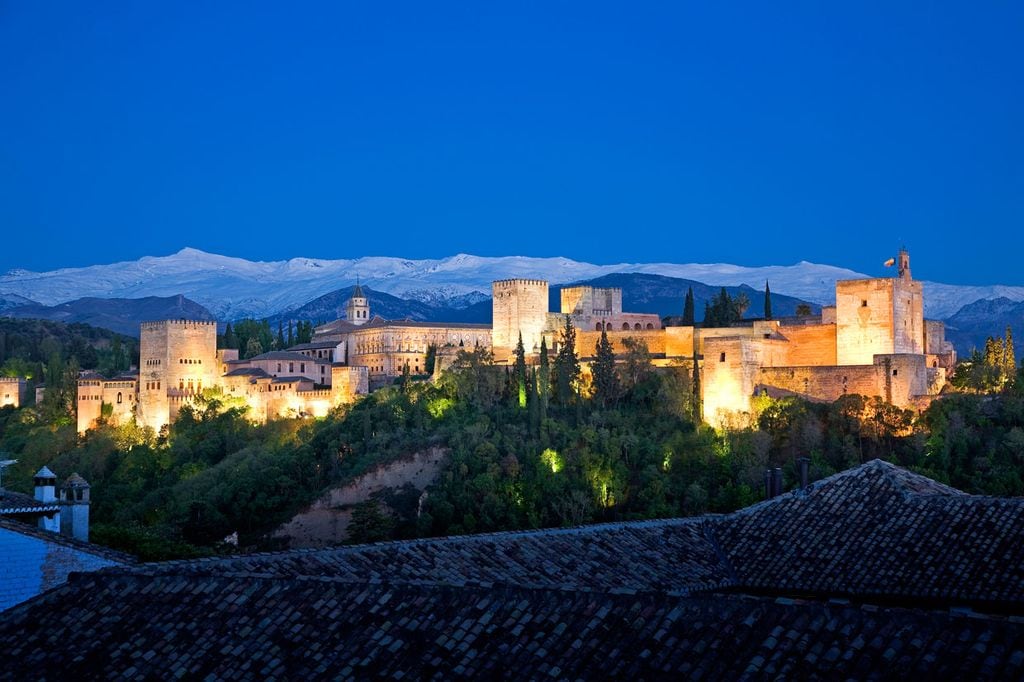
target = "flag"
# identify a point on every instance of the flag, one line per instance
(889, 263)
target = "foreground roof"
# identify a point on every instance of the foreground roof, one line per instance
(875, 571)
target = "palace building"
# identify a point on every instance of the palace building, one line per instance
(874, 341)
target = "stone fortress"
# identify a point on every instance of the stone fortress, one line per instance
(874, 341)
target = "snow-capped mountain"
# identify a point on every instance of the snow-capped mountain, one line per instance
(234, 287)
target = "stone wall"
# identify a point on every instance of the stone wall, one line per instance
(586, 341)
(174, 354)
(13, 391)
(864, 320)
(810, 344)
(519, 306)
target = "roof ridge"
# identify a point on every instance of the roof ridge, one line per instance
(450, 539)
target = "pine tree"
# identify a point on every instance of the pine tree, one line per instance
(767, 301)
(567, 364)
(606, 381)
(520, 373)
(709, 317)
(688, 308)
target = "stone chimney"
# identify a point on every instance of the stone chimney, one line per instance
(45, 482)
(776, 482)
(803, 463)
(74, 501)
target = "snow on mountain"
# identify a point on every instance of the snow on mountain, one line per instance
(234, 287)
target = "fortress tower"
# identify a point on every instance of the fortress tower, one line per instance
(519, 306)
(357, 310)
(177, 358)
(879, 316)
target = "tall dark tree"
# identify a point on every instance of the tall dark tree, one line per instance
(520, 377)
(567, 364)
(229, 337)
(291, 336)
(767, 301)
(688, 308)
(606, 381)
(280, 335)
(544, 380)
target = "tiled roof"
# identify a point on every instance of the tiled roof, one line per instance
(247, 372)
(758, 593)
(19, 503)
(259, 628)
(313, 346)
(58, 538)
(881, 530)
(290, 380)
(674, 555)
(280, 355)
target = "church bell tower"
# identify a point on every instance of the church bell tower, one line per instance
(357, 310)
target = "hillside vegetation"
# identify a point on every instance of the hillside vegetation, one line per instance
(529, 447)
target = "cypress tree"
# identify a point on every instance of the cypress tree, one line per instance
(544, 383)
(229, 337)
(291, 337)
(567, 364)
(520, 372)
(688, 308)
(767, 301)
(606, 382)
(709, 316)
(1009, 356)
(280, 335)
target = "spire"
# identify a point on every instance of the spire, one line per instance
(358, 291)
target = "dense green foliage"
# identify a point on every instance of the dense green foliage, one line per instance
(991, 371)
(557, 462)
(28, 346)
(723, 309)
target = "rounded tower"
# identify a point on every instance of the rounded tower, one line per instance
(357, 310)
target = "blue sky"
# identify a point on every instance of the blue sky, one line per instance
(709, 132)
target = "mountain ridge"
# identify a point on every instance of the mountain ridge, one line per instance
(231, 287)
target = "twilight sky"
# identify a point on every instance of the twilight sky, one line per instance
(743, 132)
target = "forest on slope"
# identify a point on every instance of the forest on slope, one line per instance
(529, 447)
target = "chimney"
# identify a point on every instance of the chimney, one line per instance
(803, 463)
(776, 482)
(45, 482)
(74, 501)
(768, 484)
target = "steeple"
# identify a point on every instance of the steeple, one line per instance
(357, 310)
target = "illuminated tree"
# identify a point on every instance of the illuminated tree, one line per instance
(519, 376)
(567, 364)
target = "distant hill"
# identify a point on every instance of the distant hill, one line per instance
(975, 322)
(643, 293)
(121, 315)
(8, 301)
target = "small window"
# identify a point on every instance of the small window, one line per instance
(302, 367)
(895, 372)
(118, 398)
(863, 304)
(721, 357)
(291, 367)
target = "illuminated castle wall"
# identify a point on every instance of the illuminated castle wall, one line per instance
(874, 342)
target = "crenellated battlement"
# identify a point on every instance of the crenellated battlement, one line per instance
(511, 283)
(160, 324)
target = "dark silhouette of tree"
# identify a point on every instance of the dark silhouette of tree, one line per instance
(688, 308)
(606, 381)
(767, 301)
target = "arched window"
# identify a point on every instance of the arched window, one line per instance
(625, 326)
(637, 326)
(119, 398)
(650, 326)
